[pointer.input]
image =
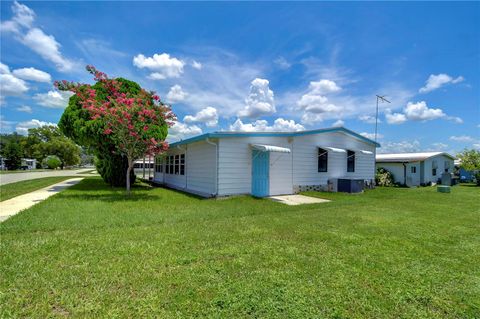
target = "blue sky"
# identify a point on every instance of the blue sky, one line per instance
(258, 66)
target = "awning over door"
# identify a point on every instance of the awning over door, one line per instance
(270, 148)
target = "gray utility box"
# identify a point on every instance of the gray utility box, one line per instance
(447, 179)
(350, 185)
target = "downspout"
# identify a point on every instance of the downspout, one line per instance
(184, 164)
(216, 165)
(404, 174)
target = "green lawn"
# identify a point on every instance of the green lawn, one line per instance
(15, 189)
(18, 171)
(388, 253)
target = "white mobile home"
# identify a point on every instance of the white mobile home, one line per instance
(414, 169)
(266, 163)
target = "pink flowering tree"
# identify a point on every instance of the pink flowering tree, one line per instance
(135, 124)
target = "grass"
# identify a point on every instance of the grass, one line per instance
(19, 188)
(389, 253)
(17, 171)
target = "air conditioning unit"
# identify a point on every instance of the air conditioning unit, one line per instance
(350, 185)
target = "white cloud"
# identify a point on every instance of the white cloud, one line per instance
(282, 63)
(436, 81)
(394, 118)
(11, 85)
(368, 119)
(279, 125)
(196, 65)
(48, 48)
(420, 112)
(462, 138)
(162, 65)
(176, 94)
(43, 44)
(476, 146)
(260, 100)
(316, 105)
(32, 74)
(5, 126)
(4, 69)
(180, 131)
(338, 123)
(208, 116)
(371, 135)
(53, 99)
(23, 16)
(22, 127)
(24, 108)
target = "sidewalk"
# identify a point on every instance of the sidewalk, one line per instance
(15, 205)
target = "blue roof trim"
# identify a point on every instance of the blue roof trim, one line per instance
(272, 134)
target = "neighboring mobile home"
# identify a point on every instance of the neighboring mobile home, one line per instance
(266, 163)
(414, 169)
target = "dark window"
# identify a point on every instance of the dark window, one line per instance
(177, 164)
(434, 171)
(158, 164)
(322, 160)
(171, 164)
(413, 169)
(350, 161)
(434, 168)
(182, 164)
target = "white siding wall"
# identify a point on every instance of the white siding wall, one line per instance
(200, 169)
(396, 169)
(235, 165)
(440, 159)
(305, 158)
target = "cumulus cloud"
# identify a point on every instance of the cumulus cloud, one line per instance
(260, 100)
(22, 127)
(196, 65)
(371, 135)
(32, 74)
(436, 81)
(279, 125)
(439, 146)
(421, 112)
(11, 85)
(53, 99)
(24, 108)
(176, 94)
(208, 116)
(315, 103)
(180, 131)
(34, 38)
(462, 138)
(162, 65)
(418, 111)
(4, 69)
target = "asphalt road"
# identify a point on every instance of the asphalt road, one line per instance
(18, 177)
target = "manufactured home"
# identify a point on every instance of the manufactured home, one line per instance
(415, 169)
(266, 163)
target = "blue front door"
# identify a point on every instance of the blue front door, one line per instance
(260, 173)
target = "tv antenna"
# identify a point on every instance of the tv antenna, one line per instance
(382, 99)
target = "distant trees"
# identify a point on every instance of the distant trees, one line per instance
(470, 161)
(40, 143)
(13, 153)
(51, 161)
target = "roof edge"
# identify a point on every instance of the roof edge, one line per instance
(272, 134)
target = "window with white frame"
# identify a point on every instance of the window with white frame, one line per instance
(159, 164)
(413, 169)
(434, 168)
(447, 166)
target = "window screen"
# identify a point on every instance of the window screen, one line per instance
(322, 160)
(350, 161)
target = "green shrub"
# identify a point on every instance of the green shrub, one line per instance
(384, 177)
(52, 162)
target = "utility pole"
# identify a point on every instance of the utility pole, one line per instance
(382, 99)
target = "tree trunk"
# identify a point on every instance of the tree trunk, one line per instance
(129, 169)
